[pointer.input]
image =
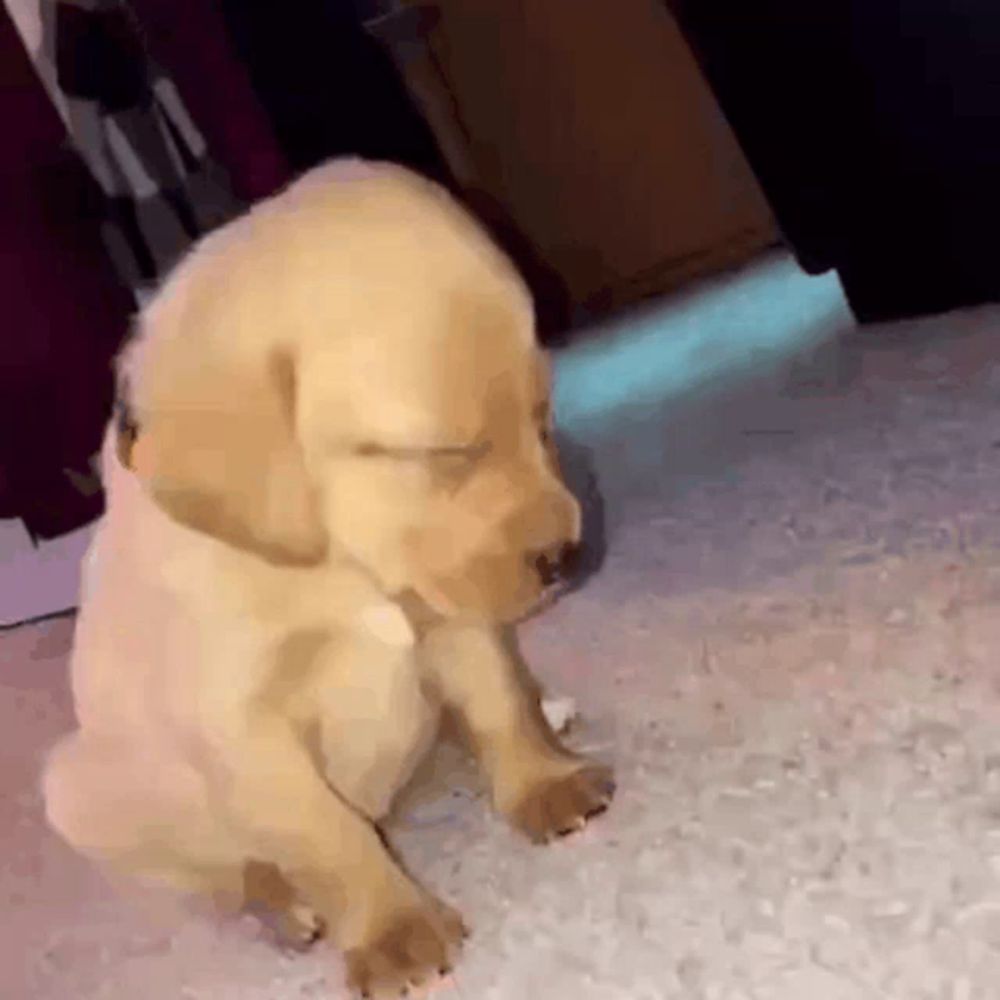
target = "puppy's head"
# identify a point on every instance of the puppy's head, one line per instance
(471, 515)
(384, 401)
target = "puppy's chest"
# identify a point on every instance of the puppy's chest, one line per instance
(367, 716)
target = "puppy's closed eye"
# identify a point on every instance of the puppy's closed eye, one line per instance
(450, 466)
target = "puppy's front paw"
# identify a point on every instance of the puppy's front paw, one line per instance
(416, 948)
(557, 806)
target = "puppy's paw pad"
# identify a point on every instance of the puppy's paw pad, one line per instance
(414, 951)
(560, 806)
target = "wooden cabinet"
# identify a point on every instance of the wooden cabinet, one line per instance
(590, 127)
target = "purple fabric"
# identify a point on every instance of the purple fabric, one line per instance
(64, 310)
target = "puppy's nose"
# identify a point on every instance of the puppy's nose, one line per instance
(558, 564)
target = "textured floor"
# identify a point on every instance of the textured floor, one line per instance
(789, 656)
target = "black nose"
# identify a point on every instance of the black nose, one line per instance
(558, 564)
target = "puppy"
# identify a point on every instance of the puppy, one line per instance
(334, 495)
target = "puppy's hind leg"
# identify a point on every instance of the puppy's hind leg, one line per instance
(142, 818)
(153, 824)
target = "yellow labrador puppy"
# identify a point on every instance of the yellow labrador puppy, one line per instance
(335, 492)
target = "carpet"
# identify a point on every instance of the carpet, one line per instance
(789, 656)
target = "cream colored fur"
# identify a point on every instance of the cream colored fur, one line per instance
(333, 509)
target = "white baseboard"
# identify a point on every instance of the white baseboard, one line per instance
(36, 582)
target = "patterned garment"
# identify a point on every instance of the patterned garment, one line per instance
(65, 309)
(106, 182)
(130, 127)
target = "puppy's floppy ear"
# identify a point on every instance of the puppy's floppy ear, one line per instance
(217, 449)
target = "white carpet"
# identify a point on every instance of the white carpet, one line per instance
(789, 657)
